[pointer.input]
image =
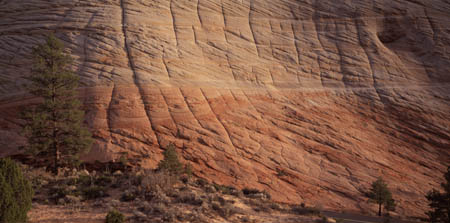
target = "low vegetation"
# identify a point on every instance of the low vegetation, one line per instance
(439, 202)
(115, 216)
(16, 193)
(380, 194)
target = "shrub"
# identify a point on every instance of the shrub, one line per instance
(306, 210)
(115, 216)
(84, 180)
(58, 192)
(250, 191)
(225, 189)
(103, 180)
(94, 192)
(226, 210)
(189, 198)
(128, 196)
(202, 182)
(154, 181)
(16, 193)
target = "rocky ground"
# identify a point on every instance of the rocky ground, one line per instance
(149, 196)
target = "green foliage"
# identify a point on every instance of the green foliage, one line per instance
(440, 202)
(224, 189)
(380, 194)
(128, 196)
(281, 173)
(94, 192)
(16, 193)
(303, 210)
(54, 128)
(123, 159)
(103, 180)
(250, 191)
(114, 216)
(170, 162)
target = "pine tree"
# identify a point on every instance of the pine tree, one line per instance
(170, 161)
(54, 128)
(440, 202)
(380, 194)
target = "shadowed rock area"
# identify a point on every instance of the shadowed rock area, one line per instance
(310, 100)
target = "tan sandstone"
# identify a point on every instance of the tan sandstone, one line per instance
(331, 93)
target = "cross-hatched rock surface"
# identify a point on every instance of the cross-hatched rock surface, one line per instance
(310, 100)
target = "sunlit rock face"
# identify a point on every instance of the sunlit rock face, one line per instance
(310, 100)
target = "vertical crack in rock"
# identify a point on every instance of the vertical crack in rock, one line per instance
(432, 25)
(190, 107)
(227, 42)
(224, 22)
(195, 35)
(315, 18)
(133, 69)
(341, 61)
(270, 70)
(86, 33)
(369, 58)
(294, 39)
(251, 27)
(198, 13)
(168, 109)
(294, 36)
(165, 62)
(173, 22)
(231, 67)
(219, 121)
(109, 111)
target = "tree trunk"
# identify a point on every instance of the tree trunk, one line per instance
(55, 146)
(56, 156)
(379, 209)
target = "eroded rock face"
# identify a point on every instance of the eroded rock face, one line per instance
(310, 100)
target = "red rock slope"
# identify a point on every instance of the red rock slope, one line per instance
(310, 100)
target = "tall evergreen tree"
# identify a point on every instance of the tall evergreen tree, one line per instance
(379, 193)
(54, 128)
(440, 202)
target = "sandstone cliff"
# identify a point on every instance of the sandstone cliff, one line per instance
(310, 100)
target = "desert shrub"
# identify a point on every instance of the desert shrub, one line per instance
(202, 182)
(226, 210)
(250, 191)
(161, 180)
(85, 180)
(303, 210)
(103, 180)
(58, 192)
(255, 193)
(114, 216)
(261, 206)
(225, 189)
(128, 196)
(189, 198)
(281, 172)
(16, 193)
(94, 192)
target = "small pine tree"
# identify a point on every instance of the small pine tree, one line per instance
(170, 162)
(440, 202)
(16, 193)
(54, 128)
(380, 194)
